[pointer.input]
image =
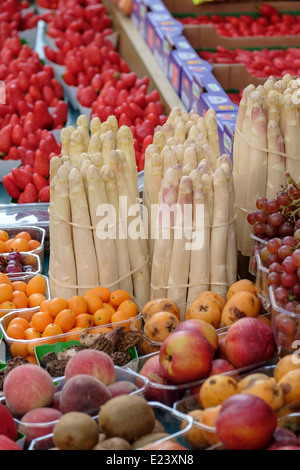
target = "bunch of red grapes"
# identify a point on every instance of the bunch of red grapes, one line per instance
(277, 222)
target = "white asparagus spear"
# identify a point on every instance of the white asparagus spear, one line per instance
(291, 134)
(109, 143)
(106, 127)
(123, 262)
(168, 129)
(241, 156)
(209, 189)
(224, 158)
(94, 144)
(219, 234)
(83, 121)
(175, 112)
(274, 100)
(113, 122)
(180, 134)
(64, 278)
(160, 138)
(239, 128)
(152, 199)
(97, 160)
(139, 263)
(147, 170)
(95, 125)
(180, 260)
(162, 252)
(85, 136)
(104, 237)
(126, 144)
(76, 146)
(55, 164)
(86, 261)
(190, 157)
(200, 255)
(269, 84)
(276, 162)
(232, 253)
(65, 136)
(169, 160)
(212, 133)
(257, 173)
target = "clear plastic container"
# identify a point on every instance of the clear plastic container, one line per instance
(31, 344)
(37, 233)
(257, 245)
(22, 312)
(45, 428)
(30, 259)
(261, 282)
(285, 326)
(36, 215)
(189, 403)
(174, 423)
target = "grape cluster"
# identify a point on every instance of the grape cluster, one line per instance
(14, 263)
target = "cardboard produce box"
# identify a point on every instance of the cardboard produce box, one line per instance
(176, 7)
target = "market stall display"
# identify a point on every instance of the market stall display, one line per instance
(149, 244)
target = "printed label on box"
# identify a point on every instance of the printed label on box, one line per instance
(227, 143)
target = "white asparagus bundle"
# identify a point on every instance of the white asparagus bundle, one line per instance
(138, 261)
(63, 280)
(55, 164)
(84, 249)
(276, 162)
(200, 254)
(257, 173)
(291, 133)
(95, 144)
(219, 234)
(103, 236)
(180, 260)
(65, 137)
(123, 261)
(162, 252)
(113, 123)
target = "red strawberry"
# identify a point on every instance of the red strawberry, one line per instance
(5, 139)
(10, 186)
(49, 145)
(22, 177)
(60, 114)
(39, 181)
(42, 114)
(29, 195)
(44, 194)
(13, 153)
(41, 164)
(17, 134)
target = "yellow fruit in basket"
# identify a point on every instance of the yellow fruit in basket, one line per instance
(251, 379)
(195, 437)
(128, 306)
(241, 286)
(7, 305)
(285, 365)
(20, 299)
(35, 300)
(19, 245)
(15, 331)
(78, 304)
(160, 305)
(25, 235)
(118, 296)
(209, 418)
(5, 292)
(102, 316)
(4, 279)
(2, 247)
(19, 286)
(212, 296)
(52, 330)
(36, 285)
(65, 320)
(290, 386)
(19, 349)
(4, 236)
(40, 320)
(206, 310)
(160, 325)
(240, 305)
(268, 390)
(54, 306)
(94, 303)
(33, 245)
(216, 389)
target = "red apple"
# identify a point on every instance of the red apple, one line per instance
(246, 422)
(201, 327)
(221, 366)
(160, 388)
(249, 341)
(283, 437)
(186, 356)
